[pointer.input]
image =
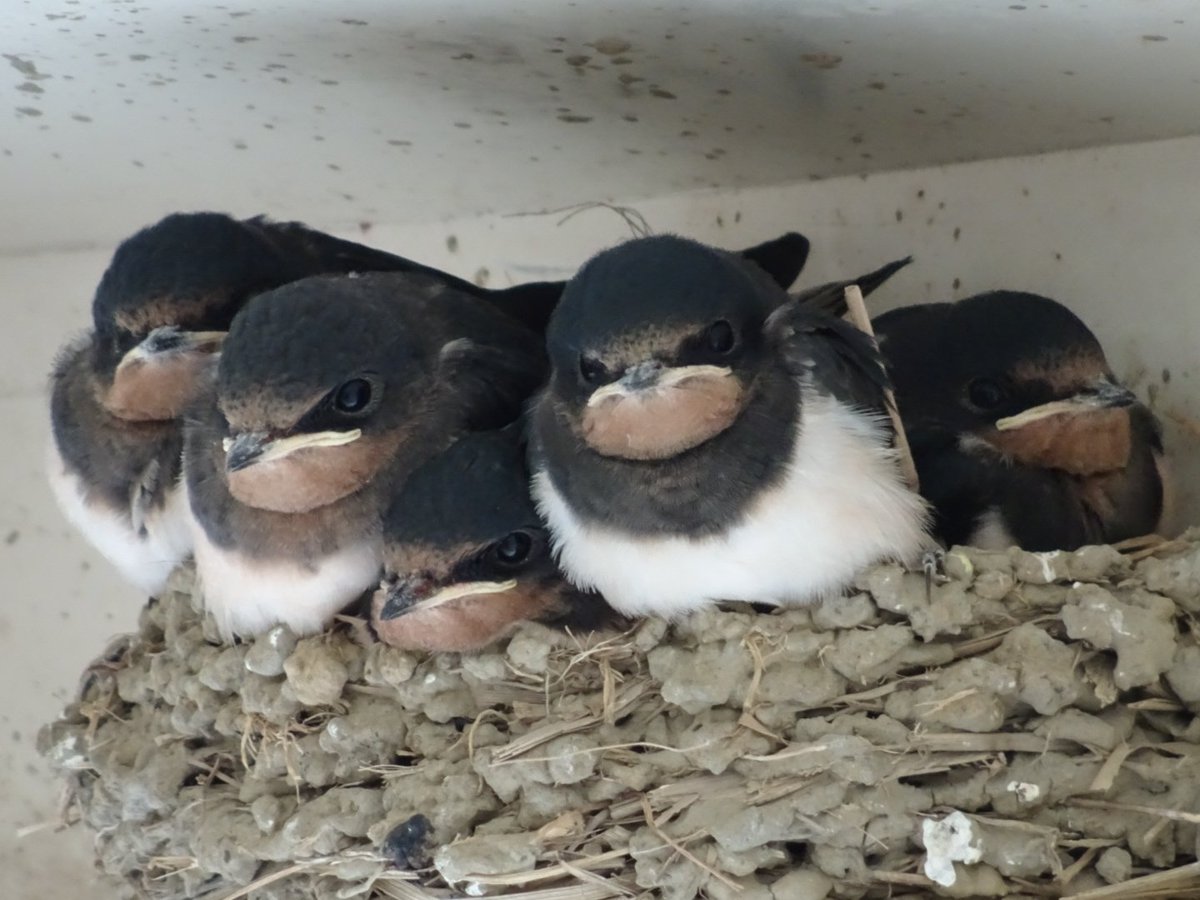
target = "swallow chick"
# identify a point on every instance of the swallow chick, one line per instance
(466, 557)
(329, 391)
(703, 438)
(159, 315)
(1020, 431)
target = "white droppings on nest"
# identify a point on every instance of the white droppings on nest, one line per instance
(947, 841)
(1046, 560)
(1024, 791)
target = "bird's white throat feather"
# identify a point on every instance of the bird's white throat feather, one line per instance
(248, 596)
(145, 560)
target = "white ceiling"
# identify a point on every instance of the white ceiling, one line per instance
(406, 111)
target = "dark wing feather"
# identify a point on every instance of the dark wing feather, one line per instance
(531, 303)
(839, 359)
(324, 253)
(831, 298)
(491, 384)
(782, 258)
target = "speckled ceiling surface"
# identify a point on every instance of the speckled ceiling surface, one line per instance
(405, 111)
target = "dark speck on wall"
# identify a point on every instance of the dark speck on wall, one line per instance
(611, 46)
(26, 67)
(452, 243)
(822, 60)
(12, 537)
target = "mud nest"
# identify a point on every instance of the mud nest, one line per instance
(1018, 724)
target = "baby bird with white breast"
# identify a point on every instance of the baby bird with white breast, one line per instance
(702, 437)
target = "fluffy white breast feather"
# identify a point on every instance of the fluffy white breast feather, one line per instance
(842, 506)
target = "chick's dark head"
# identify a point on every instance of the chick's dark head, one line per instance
(656, 345)
(1017, 371)
(319, 382)
(465, 554)
(165, 301)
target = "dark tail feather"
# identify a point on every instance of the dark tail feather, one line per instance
(867, 283)
(831, 299)
(531, 304)
(782, 258)
(329, 254)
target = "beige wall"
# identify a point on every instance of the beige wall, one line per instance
(1111, 232)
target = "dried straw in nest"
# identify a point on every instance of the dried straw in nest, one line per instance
(1020, 725)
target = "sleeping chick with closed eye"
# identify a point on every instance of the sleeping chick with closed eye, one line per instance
(466, 557)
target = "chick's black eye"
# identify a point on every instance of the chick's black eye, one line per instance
(513, 549)
(720, 337)
(592, 370)
(985, 394)
(353, 396)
